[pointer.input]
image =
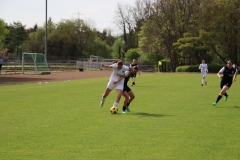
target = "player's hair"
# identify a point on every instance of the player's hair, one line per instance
(230, 61)
(120, 63)
(115, 61)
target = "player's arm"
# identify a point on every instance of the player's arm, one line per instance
(219, 74)
(235, 76)
(200, 67)
(106, 66)
(123, 76)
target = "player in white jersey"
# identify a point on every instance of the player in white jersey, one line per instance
(118, 71)
(204, 70)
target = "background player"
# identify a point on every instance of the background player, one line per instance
(204, 69)
(133, 76)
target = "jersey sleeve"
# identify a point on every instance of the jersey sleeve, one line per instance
(222, 70)
(125, 68)
(126, 73)
(200, 66)
(114, 65)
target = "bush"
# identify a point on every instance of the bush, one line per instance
(212, 68)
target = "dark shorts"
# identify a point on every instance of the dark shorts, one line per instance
(134, 75)
(126, 88)
(225, 83)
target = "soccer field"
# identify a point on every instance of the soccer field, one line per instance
(172, 117)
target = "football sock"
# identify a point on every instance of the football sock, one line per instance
(128, 104)
(124, 108)
(225, 94)
(218, 98)
(115, 104)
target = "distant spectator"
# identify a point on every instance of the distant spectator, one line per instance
(1, 61)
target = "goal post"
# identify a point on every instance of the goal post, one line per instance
(34, 63)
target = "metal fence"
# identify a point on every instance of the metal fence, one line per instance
(15, 66)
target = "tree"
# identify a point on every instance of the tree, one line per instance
(15, 37)
(3, 33)
(132, 54)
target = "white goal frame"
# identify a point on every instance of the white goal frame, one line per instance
(36, 69)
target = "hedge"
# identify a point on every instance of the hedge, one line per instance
(212, 68)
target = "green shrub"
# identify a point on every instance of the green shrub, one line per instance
(212, 68)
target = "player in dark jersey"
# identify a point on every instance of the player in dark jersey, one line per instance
(228, 75)
(133, 76)
(127, 92)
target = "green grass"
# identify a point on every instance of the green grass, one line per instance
(172, 117)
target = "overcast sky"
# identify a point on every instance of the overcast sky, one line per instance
(31, 12)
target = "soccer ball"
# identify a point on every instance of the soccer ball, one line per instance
(114, 110)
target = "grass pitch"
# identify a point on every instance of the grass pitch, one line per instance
(172, 117)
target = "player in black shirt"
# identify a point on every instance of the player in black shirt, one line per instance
(228, 75)
(127, 92)
(133, 76)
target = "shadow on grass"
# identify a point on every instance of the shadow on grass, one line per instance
(148, 114)
(229, 107)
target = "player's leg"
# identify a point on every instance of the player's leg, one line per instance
(119, 87)
(119, 94)
(222, 92)
(109, 88)
(134, 79)
(203, 78)
(126, 99)
(131, 97)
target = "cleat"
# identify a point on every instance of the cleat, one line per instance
(225, 98)
(102, 103)
(201, 84)
(214, 103)
(128, 109)
(123, 112)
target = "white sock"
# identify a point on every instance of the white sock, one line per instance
(115, 104)
(202, 81)
(103, 99)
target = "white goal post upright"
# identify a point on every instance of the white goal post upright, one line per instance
(34, 63)
(95, 59)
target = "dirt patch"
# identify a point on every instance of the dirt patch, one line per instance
(54, 76)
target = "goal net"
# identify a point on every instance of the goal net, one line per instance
(34, 63)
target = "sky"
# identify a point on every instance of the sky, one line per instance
(30, 12)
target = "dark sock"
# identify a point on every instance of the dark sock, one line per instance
(225, 94)
(218, 98)
(124, 108)
(128, 104)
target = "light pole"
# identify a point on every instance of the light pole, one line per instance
(46, 33)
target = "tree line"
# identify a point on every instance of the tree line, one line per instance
(178, 32)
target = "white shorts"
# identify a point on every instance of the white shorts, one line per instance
(204, 74)
(119, 85)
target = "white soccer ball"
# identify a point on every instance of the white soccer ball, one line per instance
(114, 110)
